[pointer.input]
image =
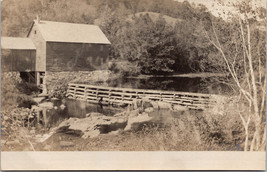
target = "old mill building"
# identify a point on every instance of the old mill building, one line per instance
(54, 47)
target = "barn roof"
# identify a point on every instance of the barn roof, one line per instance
(17, 43)
(71, 32)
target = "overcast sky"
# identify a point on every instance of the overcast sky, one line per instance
(217, 8)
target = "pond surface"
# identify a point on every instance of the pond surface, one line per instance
(67, 108)
(184, 84)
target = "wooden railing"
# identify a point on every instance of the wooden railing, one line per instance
(111, 95)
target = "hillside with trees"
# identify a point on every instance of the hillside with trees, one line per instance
(150, 37)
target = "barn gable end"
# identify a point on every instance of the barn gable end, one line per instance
(36, 36)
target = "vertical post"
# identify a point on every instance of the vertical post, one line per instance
(96, 92)
(45, 118)
(75, 92)
(37, 78)
(109, 95)
(38, 118)
(122, 98)
(44, 84)
(85, 93)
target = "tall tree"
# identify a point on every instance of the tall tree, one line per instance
(241, 53)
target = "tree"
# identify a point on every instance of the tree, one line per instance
(240, 46)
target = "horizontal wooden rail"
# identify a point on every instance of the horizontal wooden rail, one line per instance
(110, 95)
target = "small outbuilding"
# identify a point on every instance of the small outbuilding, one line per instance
(17, 54)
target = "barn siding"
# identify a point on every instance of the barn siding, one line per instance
(40, 44)
(18, 60)
(76, 56)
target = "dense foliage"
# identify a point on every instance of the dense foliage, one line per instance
(151, 36)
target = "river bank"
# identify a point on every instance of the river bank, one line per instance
(187, 75)
(147, 128)
(161, 128)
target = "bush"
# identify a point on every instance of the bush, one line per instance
(15, 92)
(221, 125)
(124, 69)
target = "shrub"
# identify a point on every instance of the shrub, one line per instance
(15, 92)
(124, 69)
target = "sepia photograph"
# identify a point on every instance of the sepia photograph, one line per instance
(169, 76)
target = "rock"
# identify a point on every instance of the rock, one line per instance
(55, 107)
(137, 103)
(38, 99)
(147, 105)
(155, 105)
(120, 114)
(35, 108)
(94, 114)
(146, 102)
(91, 134)
(149, 110)
(32, 131)
(114, 132)
(62, 106)
(134, 113)
(179, 108)
(92, 125)
(164, 105)
(47, 105)
(141, 118)
(66, 144)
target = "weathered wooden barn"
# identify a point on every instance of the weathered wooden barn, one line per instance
(19, 55)
(56, 47)
(68, 46)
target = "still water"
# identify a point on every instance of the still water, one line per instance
(184, 84)
(79, 109)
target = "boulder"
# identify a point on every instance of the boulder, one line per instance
(62, 106)
(46, 105)
(146, 102)
(140, 119)
(137, 103)
(93, 114)
(133, 113)
(164, 105)
(179, 108)
(155, 104)
(38, 99)
(93, 125)
(149, 110)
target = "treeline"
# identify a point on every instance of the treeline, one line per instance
(147, 36)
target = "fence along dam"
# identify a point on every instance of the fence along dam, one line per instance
(126, 96)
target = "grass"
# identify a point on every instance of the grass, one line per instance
(189, 132)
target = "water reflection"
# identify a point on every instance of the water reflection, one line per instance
(195, 85)
(48, 118)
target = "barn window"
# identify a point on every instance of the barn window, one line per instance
(101, 48)
(35, 32)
